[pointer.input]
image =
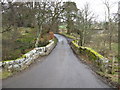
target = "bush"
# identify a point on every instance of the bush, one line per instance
(43, 43)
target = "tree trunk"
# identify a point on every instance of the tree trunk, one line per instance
(81, 39)
(39, 36)
(110, 42)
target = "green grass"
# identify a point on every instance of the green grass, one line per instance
(24, 43)
(5, 74)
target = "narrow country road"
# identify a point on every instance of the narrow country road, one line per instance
(60, 69)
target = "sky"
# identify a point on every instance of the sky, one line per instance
(98, 7)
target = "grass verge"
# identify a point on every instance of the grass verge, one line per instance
(5, 74)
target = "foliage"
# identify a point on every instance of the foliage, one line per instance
(44, 40)
(51, 35)
(43, 43)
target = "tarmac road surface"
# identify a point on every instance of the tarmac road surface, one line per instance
(60, 69)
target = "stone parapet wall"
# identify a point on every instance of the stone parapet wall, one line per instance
(27, 58)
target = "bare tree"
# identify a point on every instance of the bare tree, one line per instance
(41, 6)
(84, 22)
(110, 29)
(119, 30)
(56, 10)
(70, 15)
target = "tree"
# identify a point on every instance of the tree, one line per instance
(70, 15)
(41, 7)
(56, 11)
(9, 28)
(119, 30)
(110, 28)
(84, 21)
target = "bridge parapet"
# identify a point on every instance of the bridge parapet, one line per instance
(27, 58)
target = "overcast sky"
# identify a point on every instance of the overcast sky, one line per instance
(97, 6)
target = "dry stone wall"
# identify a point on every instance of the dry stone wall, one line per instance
(27, 58)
